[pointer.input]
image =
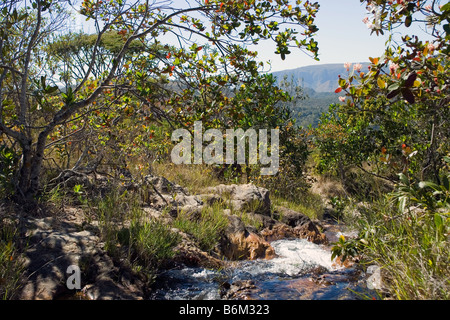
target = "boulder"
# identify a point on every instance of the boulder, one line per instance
(246, 197)
(293, 224)
(56, 245)
(161, 193)
(239, 243)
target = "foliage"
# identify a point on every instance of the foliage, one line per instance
(151, 243)
(345, 248)
(406, 233)
(399, 113)
(125, 69)
(394, 117)
(8, 169)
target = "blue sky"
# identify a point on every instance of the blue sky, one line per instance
(342, 37)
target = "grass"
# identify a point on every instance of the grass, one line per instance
(308, 203)
(195, 178)
(129, 235)
(11, 266)
(206, 228)
(412, 248)
(149, 243)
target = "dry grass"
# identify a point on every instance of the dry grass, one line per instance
(327, 187)
(195, 178)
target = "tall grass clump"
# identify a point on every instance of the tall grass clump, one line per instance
(11, 265)
(407, 235)
(149, 244)
(205, 227)
(143, 242)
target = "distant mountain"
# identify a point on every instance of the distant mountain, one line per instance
(319, 83)
(320, 78)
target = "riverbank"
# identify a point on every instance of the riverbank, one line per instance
(229, 242)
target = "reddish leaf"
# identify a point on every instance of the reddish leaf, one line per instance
(338, 90)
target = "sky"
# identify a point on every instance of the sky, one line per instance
(342, 37)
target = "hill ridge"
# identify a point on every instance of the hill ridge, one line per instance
(320, 78)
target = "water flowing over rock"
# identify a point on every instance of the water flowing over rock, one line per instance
(55, 243)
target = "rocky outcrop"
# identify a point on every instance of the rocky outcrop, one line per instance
(293, 224)
(54, 246)
(188, 254)
(239, 243)
(55, 243)
(246, 197)
(160, 193)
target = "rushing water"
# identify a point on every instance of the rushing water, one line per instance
(301, 270)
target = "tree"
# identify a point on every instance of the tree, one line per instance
(34, 104)
(395, 115)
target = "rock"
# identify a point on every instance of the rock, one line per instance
(56, 245)
(162, 193)
(292, 218)
(246, 197)
(238, 290)
(238, 243)
(293, 224)
(188, 254)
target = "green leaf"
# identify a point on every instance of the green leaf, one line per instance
(438, 221)
(445, 7)
(432, 185)
(403, 178)
(381, 83)
(394, 86)
(446, 183)
(447, 28)
(402, 203)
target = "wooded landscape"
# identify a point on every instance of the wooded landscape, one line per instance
(86, 123)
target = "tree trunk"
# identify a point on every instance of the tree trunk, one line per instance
(25, 170)
(32, 159)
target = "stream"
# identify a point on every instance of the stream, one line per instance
(301, 270)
